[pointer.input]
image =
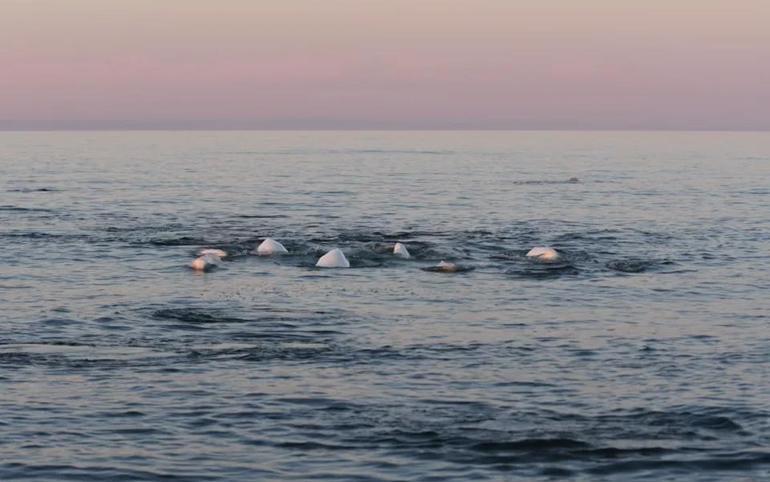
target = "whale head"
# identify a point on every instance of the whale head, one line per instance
(269, 247)
(401, 251)
(545, 254)
(333, 259)
(205, 262)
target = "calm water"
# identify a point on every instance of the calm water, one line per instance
(644, 355)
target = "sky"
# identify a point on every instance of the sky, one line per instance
(385, 64)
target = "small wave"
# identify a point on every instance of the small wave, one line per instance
(96, 473)
(32, 189)
(36, 235)
(737, 461)
(195, 316)
(635, 265)
(261, 216)
(572, 180)
(288, 351)
(72, 354)
(305, 322)
(543, 271)
(180, 241)
(12, 208)
(531, 445)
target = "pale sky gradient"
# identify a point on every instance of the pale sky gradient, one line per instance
(521, 64)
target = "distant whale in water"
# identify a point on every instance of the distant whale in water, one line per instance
(541, 253)
(214, 252)
(205, 262)
(447, 267)
(400, 250)
(333, 259)
(270, 246)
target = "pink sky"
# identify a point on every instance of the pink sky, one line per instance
(686, 64)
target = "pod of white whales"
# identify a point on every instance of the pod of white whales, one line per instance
(209, 258)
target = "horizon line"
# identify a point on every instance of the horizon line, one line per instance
(378, 129)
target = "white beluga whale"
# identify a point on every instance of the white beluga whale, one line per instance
(543, 253)
(269, 247)
(446, 266)
(401, 251)
(205, 262)
(333, 259)
(214, 252)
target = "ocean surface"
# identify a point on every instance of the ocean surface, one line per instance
(644, 354)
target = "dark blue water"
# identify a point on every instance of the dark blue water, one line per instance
(643, 355)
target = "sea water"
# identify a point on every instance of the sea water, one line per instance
(643, 354)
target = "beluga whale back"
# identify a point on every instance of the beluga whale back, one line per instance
(213, 252)
(542, 253)
(269, 247)
(333, 259)
(401, 251)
